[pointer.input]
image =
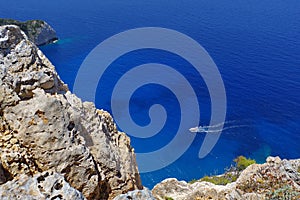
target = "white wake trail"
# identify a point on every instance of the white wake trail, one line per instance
(226, 128)
(220, 124)
(215, 128)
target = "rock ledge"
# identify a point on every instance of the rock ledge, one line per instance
(45, 128)
(38, 31)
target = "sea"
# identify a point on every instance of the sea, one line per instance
(255, 45)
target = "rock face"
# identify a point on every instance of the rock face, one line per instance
(275, 179)
(46, 185)
(44, 127)
(144, 194)
(54, 146)
(182, 190)
(38, 31)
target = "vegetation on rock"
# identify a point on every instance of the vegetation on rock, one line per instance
(275, 179)
(242, 162)
(230, 175)
(221, 179)
(193, 181)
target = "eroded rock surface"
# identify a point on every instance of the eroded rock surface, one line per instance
(275, 179)
(45, 127)
(144, 194)
(46, 185)
(23, 68)
(53, 145)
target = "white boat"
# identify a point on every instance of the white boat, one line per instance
(199, 129)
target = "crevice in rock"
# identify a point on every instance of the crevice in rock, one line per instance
(57, 197)
(57, 185)
(4, 175)
(104, 187)
(71, 125)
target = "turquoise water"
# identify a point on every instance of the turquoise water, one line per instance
(255, 45)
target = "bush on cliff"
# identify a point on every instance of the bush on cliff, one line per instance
(242, 162)
(220, 180)
(231, 174)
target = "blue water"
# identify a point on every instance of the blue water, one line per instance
(255, 45)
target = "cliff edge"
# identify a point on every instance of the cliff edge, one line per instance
(38, 31)
(276, 179)
(53, 145)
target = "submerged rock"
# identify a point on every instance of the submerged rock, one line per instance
(38, 31)
(44, 127)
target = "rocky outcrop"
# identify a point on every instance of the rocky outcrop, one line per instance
(54, 146)
(275, 179)
(46, 185)
(38, 31)
(24, 68)
(144, 194)
(181, 190)
(44, 127)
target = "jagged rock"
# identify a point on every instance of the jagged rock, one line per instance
(181, 190)
(270, 176)
(110, 149)
(23, 68)
(275, 160)
(41, 136)
(46, 185)
(38, 31)
(144, 194)
(45, 127)
(258, 181)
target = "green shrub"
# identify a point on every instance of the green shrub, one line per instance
(169, 198)
(231, 173)
(220, 180)
(242, 162)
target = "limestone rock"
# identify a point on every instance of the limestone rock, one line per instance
(275, 179)
(45, 127)
(268, 177)
(111, 149)
(144, 194)
(182, 190)
(46, 185)
(23, 68)
(44, 140)
(38, 31)
(53, 145)
(275, 160)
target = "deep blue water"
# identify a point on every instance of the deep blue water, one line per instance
(255, 45)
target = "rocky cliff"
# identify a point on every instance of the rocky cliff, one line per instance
(38, 31)
(276, 179)
(53, 145)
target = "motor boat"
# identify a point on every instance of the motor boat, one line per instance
(199, 129)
